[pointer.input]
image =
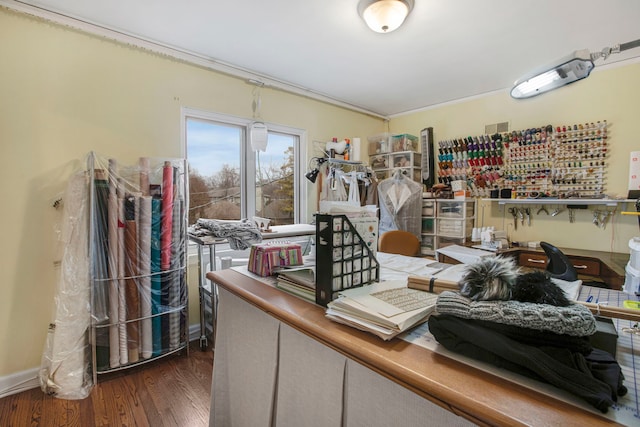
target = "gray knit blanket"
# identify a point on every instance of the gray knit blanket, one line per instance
(575, 320)
(240, 234)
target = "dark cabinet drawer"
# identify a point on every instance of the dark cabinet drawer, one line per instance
(532, 259)
(586, 266)
(539, 260)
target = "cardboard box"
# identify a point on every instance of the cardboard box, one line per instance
(264, 257)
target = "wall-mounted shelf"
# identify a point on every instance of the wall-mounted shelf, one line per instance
(550, 201)
(343, 162)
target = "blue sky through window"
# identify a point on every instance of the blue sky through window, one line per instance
(211, 145)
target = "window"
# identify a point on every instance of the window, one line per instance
(228, 180)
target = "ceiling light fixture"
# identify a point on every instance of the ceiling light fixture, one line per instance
(569, 69)
(384, 16)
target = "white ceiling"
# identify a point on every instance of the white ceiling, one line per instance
(446, 49)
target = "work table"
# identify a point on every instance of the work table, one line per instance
(435, 379)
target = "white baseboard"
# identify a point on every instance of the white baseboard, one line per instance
(19, 381)
(26, 380)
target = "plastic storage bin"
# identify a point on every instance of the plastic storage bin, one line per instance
(406, 159)
(428, 207)
(379, 162)
(454, 227)
(413, 173)
(634, 258)
(381, 174)
(428, 245)
(428, 225)
(379, 144)
(443, 242)
(404, 142)
(460, 209)
(631, 281)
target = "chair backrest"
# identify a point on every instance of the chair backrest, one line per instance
(399, 242)
(559, 265)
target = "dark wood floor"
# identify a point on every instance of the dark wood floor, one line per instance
(172, 392)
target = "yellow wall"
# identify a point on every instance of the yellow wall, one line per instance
(63, 94)
(611, 94)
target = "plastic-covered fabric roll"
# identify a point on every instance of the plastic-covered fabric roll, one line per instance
(64, 371)
(166, 236)
(114, 338)
(101, 266)
(122, 284)
(144, 237)
(144, 270)
(167, 216)
(144, 175)
(174, 284)
(156, 279)
(131, 272)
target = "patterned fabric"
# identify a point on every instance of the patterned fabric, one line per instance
(574, 320)
(240, 234)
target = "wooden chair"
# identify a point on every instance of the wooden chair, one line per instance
(399, 242)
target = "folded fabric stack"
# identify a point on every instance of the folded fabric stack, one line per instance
(540, 341)
(240, 234)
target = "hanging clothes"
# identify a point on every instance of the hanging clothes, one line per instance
(333, 186)
(368, 190)
(400, 201)
(354, 191)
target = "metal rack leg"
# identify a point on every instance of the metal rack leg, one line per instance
(214, 293)
(201, 295)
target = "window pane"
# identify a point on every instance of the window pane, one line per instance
(275, 179)
(213, 151)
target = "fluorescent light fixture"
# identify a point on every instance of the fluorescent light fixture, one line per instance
(575, 67)
(570, 69)
(384, 16)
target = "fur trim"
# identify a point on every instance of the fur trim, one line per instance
(490, 278)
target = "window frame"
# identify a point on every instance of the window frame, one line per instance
(248, 158)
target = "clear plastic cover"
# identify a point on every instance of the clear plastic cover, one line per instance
(400, 201)
(65, 362)
(135, 289)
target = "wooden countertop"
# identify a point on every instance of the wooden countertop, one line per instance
(483, 398)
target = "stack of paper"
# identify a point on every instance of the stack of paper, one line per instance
(385, 309)
(463, 254)
(298, 281)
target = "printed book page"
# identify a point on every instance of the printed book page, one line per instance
(396, 306)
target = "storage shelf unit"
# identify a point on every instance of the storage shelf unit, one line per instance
(390, 152)
(207, 259)
(139, 301)
(446, 222)
(428, 245)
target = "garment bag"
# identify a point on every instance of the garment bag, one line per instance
(400, 201)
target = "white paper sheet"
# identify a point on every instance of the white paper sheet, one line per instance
(464, 254)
